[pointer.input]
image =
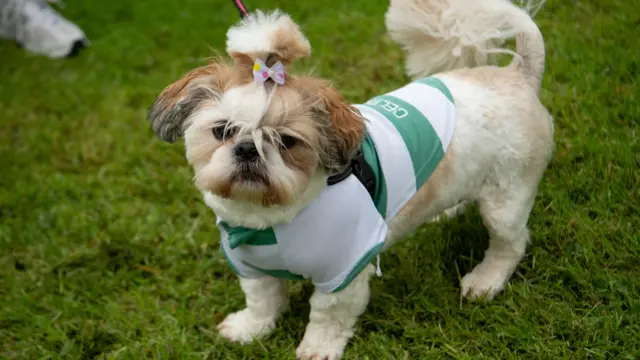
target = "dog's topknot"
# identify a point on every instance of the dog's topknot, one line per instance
(260, 35)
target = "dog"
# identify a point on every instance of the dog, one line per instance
(307, 186)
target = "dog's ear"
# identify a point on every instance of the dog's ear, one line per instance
(178, 100)
(342, 125)
(347, 128)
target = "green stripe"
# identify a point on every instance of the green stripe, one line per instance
(280, 274)
(421, 139)
(241, 236)
(371, 157)
(365, 260)
(437, 84)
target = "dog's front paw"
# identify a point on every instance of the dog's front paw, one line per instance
(322, 343)
(483, 282)
(243, 327)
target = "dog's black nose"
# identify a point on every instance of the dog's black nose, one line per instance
(246, 151)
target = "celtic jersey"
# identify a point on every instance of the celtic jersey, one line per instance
(343, 229)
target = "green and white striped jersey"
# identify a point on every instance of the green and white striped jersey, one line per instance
(343, 230)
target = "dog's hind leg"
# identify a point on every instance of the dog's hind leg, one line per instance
(505, 214)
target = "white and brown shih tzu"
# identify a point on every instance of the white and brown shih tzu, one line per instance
(307, 186)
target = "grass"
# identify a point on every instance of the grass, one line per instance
(108, 252)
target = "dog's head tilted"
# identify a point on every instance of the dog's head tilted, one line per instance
(252, 140)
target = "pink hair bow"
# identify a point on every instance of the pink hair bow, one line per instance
(261, 72)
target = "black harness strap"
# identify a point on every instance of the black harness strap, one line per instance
(361, 170)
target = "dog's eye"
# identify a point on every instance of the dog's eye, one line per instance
(218, 132)
(222, 131)
(288, 141)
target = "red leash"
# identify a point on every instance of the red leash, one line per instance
(241, 8)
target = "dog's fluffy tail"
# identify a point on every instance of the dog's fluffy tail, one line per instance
(442, 35)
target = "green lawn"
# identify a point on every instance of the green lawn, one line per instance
(107, 251)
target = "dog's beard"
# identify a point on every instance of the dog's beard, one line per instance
(249, 173)
(264, 182)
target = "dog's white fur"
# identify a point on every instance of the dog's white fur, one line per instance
(257, 35)
(502, 144)
(441, 35)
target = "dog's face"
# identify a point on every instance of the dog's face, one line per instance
(254, 142)
(254, 145)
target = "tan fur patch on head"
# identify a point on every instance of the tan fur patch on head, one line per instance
(247, 60)
(301, 158)
(289, 44)
(178, 100)
(218, 73)
(344, 127)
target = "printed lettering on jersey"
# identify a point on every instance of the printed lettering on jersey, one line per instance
(388, 106)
